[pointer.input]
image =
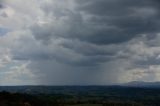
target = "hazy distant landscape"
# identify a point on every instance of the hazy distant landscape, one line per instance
(125, 95)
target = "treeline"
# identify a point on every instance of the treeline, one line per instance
(19, 99)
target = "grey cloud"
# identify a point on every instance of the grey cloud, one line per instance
(92, 25)
(1, 6)
(3, 31)
(149, 61)
(120, 14)
(87, 42)
(90, 49)
(109, 22)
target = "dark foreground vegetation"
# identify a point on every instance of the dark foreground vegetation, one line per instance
(79, 96)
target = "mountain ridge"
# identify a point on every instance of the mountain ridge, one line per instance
(142, 84)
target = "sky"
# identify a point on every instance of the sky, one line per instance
(79, 42)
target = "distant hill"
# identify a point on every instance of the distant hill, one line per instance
(142, 84)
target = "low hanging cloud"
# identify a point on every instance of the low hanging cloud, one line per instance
(79, 42)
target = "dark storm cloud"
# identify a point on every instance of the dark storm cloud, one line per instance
(94, 24)
(90, 49)
(120, 14)
(1, 6)
(80, 41)
(112, 7)
(109, 22)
